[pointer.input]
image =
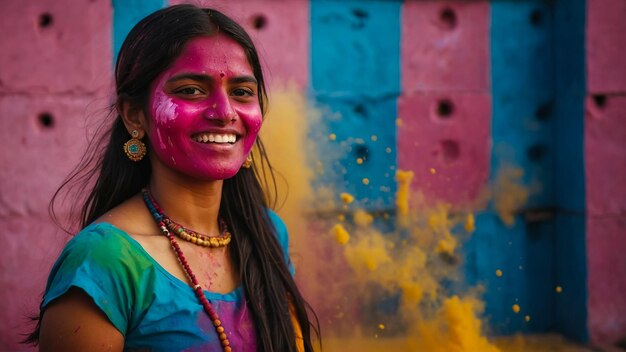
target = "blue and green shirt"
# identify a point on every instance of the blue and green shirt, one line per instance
(153, 309)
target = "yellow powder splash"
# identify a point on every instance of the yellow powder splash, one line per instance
(368, 253)
(360, 264)
(404, 179)
(362, 218)
(456, 328)
(408, 263)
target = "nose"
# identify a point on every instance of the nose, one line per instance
(219, 107)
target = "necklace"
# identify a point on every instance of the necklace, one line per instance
(190, 235)
(197, 238)
(159, 217)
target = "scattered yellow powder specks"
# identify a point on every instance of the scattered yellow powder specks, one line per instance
(374, 138)
(332, 137)
(366, 181)
(470, 223)
(341, 235)
(381, 326)
(388, 150)
(499, 273)
(399, 122)
(346, 197)
(516, 308)
(359, 161)
(527, 318)
(341, 217)
(432, 170)
(558, 289)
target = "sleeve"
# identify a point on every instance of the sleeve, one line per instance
(94, 261)
(283, 238)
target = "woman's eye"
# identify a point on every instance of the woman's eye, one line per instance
(189, 91)
(243, 92)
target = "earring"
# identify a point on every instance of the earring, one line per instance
(248, 162)
(135, 149)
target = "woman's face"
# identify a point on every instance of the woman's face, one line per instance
(204, 110)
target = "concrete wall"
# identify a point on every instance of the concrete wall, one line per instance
(430, 86)
(605, 168)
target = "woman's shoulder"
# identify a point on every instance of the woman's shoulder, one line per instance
(100, 247)
(100, 236)
(281, 228)
(278, 223)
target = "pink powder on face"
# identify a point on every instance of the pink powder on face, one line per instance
(201, 93)
(160, 139)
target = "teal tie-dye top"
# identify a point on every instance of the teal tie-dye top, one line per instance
(154, 310)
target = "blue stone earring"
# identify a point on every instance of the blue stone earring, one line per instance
(135, 149)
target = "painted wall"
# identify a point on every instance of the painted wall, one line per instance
(456, 91)
(605, 168)
(55, 75)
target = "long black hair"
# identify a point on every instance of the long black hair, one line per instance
(150, 47)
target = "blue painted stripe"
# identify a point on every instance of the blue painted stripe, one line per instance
(355, 77)
(571, 254)
(537, 68)
(126, 13)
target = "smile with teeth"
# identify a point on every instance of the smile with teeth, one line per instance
(215, 138)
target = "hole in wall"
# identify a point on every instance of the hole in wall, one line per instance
(544, 111)
(361, 151)
(360, 13)
(448, 19)
(536, 152)
(259, 21)
(536, 17)
(444, 108)
(361, 17)
(45, 20)
(450, 150)
(360, 110)
(46, 120)
(599, 100)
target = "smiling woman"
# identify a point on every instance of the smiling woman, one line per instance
(179, 249)
(209, 93)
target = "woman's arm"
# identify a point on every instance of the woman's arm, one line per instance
(73, 322)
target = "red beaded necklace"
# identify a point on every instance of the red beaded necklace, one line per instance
(160, 217)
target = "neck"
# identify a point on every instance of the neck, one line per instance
(192, 203)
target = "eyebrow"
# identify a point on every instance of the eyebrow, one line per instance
(208, 79)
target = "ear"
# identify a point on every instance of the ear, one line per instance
(134, 118)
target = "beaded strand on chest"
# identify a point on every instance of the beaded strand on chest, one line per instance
(159, 217)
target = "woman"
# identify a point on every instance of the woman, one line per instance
(179, 250)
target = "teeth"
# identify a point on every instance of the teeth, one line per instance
(215, 138)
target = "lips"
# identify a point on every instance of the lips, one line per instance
(217, 138)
